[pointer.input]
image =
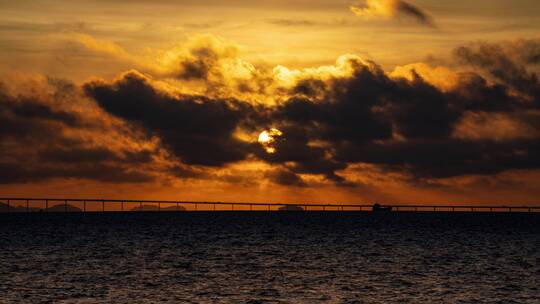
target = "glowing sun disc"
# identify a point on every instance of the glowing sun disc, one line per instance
(267, 139)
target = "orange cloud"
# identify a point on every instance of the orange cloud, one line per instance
(102, 46)
(442, 77)
(391, 9)
(524, 125)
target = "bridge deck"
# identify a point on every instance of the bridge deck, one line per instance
(15, 204)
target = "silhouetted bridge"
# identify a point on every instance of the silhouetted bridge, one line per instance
(54, 205)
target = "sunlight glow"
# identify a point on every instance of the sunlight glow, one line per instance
(268, 138)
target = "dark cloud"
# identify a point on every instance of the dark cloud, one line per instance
(445, 158)
(15, 173)
(528, 50)
(197, 129)
(198, 69)
(401, 125)
(346, 111)
(286, 178)
(35, 146)
(392, 9)
(507, 63)
(201, 60)
(24, 117)
(79, 154)
(415, 12)
(76, 155)
(310, 22)
(474, 93)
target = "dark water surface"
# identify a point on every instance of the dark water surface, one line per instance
(270, 258)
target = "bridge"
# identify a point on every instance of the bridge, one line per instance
(60, 205)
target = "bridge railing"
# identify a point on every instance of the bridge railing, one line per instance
(53, 205)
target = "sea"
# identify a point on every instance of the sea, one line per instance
(270, 257)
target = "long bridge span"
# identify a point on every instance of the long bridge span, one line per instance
(56, 205)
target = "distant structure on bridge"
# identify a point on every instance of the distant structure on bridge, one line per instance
(291, 208)
(378, 208)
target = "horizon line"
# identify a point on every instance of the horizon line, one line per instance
(344, 205)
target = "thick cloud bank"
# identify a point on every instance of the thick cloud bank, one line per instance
(421, 122)
(50, 132)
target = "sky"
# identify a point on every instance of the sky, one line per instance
(280, 101)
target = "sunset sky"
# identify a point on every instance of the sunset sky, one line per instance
(320, 101)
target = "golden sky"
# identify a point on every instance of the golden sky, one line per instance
(281, 101)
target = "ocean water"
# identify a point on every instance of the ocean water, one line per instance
(274, 257)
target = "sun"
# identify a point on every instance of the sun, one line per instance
(264, 137)
(267, 139)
